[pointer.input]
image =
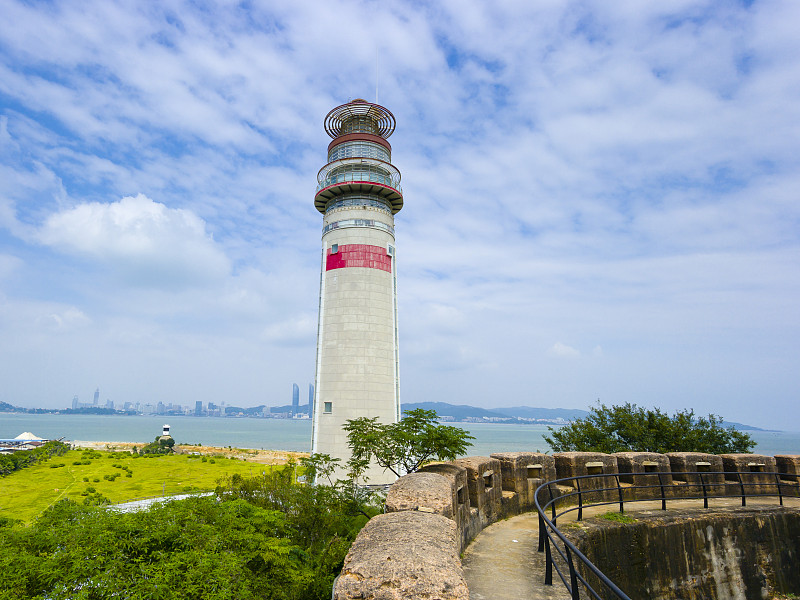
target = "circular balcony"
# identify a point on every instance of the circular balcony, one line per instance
(359, 175)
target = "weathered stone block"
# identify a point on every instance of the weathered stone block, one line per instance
(645, 470)
(593, 469)
(789, 466)
(685, 467)
(403, 556)
(523, 472)
(754, 471)
(485, 486)
(509, 504)
(460, 490)
(427, 492)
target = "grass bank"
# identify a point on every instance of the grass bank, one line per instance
(118, 476)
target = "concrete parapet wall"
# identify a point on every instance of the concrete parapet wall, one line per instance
(404, 555)
(790, 465)
(644, 468)
(485, 485)
(461, 508)
(753, 469)
(580, 464)
(426, 492)
(687, 462)
(413, 550)
(522, 473)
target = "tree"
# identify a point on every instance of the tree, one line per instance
(403, 447)
(163, 444)
(632, 428)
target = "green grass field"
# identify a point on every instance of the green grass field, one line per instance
(26, 493)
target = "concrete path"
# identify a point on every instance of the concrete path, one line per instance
(146, 503)
(503, 563)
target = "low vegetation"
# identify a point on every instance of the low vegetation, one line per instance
(114, 477)
(27, 458)
(260, 537)
(617, 517)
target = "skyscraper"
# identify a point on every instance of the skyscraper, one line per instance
(295, 399)
(358, 192)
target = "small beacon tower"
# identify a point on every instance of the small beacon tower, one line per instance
(358, 193)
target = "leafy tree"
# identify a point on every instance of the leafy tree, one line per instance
(323, 520)
(405, 446)
(162, 445)
(632, 428)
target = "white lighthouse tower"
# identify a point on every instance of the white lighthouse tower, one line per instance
(358, 193)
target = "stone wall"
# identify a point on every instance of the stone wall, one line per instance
(413, 550)
(716, 554)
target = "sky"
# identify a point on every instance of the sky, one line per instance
(601, 199)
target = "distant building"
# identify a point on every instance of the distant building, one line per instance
(198, 408)
(96, 399)
(75, 403)
(295, 399)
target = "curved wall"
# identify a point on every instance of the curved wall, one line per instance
(722, 554)
(448, 504)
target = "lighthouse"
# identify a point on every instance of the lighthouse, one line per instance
(358, 193)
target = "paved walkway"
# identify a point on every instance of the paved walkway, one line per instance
(503, 563)
(507, 552)
(146, 503)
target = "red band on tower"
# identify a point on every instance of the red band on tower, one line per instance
(359, 255)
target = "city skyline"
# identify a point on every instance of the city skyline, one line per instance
(602, 199)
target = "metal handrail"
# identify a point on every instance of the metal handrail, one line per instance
(549, 532)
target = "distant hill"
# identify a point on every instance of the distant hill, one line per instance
(457, 411)
(529, 412)
(302, 409)
(6, 407)
(743, 427)
(463, 411)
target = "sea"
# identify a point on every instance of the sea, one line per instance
(288, 434)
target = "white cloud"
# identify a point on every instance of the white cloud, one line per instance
(561, 350)
(624, 172)
(145, 242)
(68, 319)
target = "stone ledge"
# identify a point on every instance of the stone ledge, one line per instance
(400, 555)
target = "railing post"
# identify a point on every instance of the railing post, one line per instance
(663, 496)
(573, 577)
(548, 561)
(542, 532)
(619, 489)
(580, 500)
(780, 489)
(741, 487)
(703, 484)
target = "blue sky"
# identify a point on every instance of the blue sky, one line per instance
(601, 199)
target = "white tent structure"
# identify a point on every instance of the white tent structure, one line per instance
(29, 437)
